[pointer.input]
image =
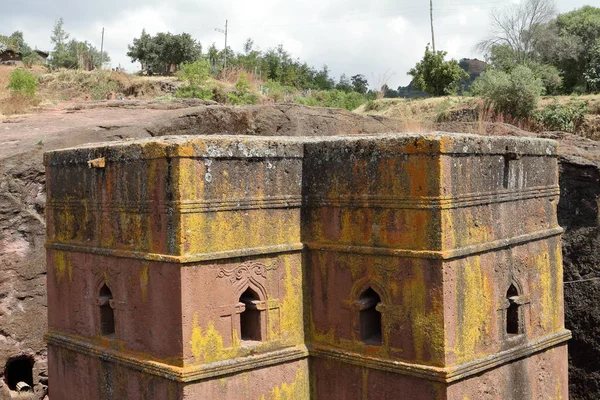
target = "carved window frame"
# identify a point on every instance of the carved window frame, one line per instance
(522, 302)
(242, 277)
(355, 305)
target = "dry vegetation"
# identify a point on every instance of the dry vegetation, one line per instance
(423, 115)
(73, 85)
(417, 115)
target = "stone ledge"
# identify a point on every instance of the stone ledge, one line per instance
(245, 146)
(191, 146)
(285, 248)
(442, 374)
(176, 373)
(182, 207)
(437, 254)
(184, 259)
(435, 202)
(294, 201)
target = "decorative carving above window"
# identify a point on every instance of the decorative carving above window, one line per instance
(247, 270)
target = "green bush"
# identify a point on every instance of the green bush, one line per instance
(22, 82)
(515, 93)
(562, 117)
(242, 94)
(333, 98)
(196, 74)
(276, 91)
(550, 77)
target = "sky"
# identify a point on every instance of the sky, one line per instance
(381, 39)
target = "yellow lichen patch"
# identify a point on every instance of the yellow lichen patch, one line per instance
(550, 313)
(557, 391)
(474, 323)
(206, 346)
(320, 337)
(235, 342)
(62, 265)
(447, 230)
(230, 230)
(427, 325)
(365, 383)
(144, 281)
(291, 307)
(298, 389)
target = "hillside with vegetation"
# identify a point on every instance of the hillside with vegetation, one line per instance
(534, 58)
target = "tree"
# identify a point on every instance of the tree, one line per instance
(504, 58)
(583, 27)
(322, 80)
(213, 55)
(142, 50)
(360, 84)
(592, 73)
(514, 27)
(59, 56)
(344, 84)
(73, 53)
(164, 52)
(17, 43)
(82, 55)
(435, 76)
(515, 93)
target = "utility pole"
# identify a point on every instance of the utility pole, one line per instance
(431, 18)
(102, 49)
(225, 51)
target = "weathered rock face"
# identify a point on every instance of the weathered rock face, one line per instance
(22, 203)
(22, 271)
(578, 214)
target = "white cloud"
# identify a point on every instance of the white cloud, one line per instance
(351, 36)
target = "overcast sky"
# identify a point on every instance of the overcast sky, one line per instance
(374, 37)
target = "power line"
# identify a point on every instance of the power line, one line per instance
(583, 280)
(102, 49)
(431, 18)
(225, 50)
(402, 11)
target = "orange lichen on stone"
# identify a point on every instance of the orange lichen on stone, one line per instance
(423, 264)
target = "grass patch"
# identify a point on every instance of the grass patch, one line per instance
(18, 103)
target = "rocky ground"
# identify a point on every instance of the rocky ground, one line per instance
(22, 201)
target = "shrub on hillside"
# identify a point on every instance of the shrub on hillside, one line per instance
(196, 74)
(562, 117)
(277, 92)
(333, 98)
(242, 94)
(22, 82)
(515, 93)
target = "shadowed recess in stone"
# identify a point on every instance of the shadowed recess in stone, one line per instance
(250, 317)
(370, 318)
(18, 370)
(107, 314)
(512, 312)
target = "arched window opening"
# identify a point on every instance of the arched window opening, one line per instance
(370, 318)
(107, 314)
(513, 327)
(19, 374)
(250, 317)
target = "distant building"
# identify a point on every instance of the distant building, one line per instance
(43, 54)
(9, 56)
